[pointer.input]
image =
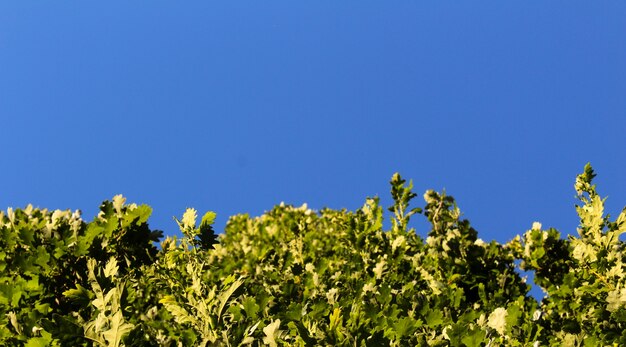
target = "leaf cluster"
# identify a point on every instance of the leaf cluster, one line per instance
(298, 277)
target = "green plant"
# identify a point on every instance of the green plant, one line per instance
(298, 277)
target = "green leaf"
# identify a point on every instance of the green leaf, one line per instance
(10, 294)
(404, 327)
(13, 319)
(26, 236)
(180, 314)
(224, 296)
(208, 218)
(474, 338)
(335, 318)
(79, 293)
(139, 215)
(42, 258)
(513, 315)
(111, 268)
(38, 342)
(207, 235)
(434, 318)
(250, 307)
(118, 329)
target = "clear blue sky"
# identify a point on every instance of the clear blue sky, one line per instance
(235, 106)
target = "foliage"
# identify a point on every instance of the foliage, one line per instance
(297, 277)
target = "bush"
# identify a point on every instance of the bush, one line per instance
(298, 277)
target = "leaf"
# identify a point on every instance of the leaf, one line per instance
(253, 328)
(335, 318)
(92, 330)
(189, 219)
(111, 268)
(38, 342)
(99, 302)
(404, 327)
(10, 294)
(250, 307)
(180, 314)
(616, 299)
(374, 213)
(224, 296)
(112, 299)
(434, 318)
(208, 218)
(140, 214)
(474, 338)
(26, 236)
(513, 314)
(79, 293)
(118, 203)
(118, 329)
(13, 320)
(497, 320)
(207, 234)
(43, 258)
(270, 332)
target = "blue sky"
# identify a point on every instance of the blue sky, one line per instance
(235, 106)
